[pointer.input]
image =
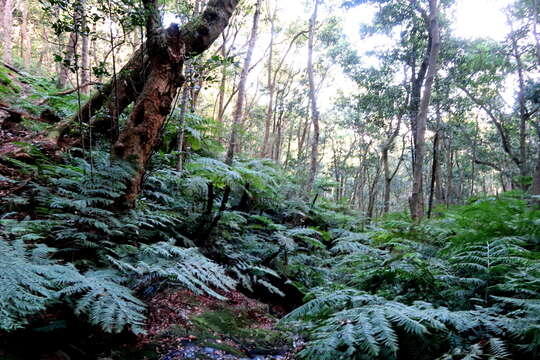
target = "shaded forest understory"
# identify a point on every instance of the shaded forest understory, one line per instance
(158, 202)
(73, 271)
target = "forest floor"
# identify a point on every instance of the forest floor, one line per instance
(181, 325)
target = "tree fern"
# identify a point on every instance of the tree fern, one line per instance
(100, 295)
(187, 267)
(367, 325)
(29, 282)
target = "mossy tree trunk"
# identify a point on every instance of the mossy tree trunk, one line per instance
(163, 54)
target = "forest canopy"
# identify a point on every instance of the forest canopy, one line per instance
(261, 179)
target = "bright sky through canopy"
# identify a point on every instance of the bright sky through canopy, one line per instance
(481, 18)
(473, 19)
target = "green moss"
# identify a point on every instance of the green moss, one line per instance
(239, 327)
(4, 77)
(5, 89)
(7, 86)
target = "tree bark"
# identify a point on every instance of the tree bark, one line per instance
(7, 24)
(388, 177)
(239, 108)
(187, 95)
(314, 163)
(373, 192)
(417, 197)
(384, 157)
(26, 45)
(535, 189)
(222, 84)
(434, 173)
(523, 112)
(71, 47)
(449, 172)
(85, 51)
(116, 96)
(271, 89)
(167, 51)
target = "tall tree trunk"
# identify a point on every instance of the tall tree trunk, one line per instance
(222, 84)
(26, 45)
(387, 181)
(450, 172)
(536, 178)
(7, 24)
(535, 190)
(523, 112)
(187, 93)
(417, 80)
(71, 48)
(417, 196)
(434, 173)
(85, 51)
(314, 163)
(384, 158)
(271, 89)
(239, 108)
(373, 192)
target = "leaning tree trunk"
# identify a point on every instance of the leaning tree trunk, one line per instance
(417, 196)
(167, 50)
(313, 100)
(116, 96)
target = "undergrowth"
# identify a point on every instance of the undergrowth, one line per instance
(461, 286)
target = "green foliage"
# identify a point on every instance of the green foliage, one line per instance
(187, 267)
(464, 286)
(106, 302)
(29, 281)
(103, 259)
(361, 325)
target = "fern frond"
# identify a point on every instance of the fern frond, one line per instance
(106, 302)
